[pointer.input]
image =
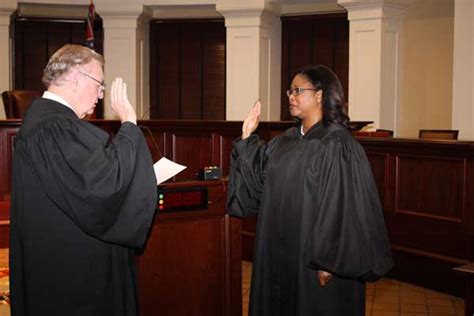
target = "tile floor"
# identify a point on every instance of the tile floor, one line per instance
(4, 284)
(388, 297)
(385, 297)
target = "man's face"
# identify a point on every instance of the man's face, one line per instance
(90, 89)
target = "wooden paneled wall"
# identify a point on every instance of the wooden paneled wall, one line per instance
(427, 192)
(36, 39)
(187, 69)
(316, 39)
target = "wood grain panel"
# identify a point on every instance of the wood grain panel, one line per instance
(318, 40)
(7, 135)
(36, 39)
(196, 276)
(10, 144)
(214, 75)
(469, 202)
(249, 229)
(194, 151)
(234, 304)
(155, 142)
(35, 55)
(379, 164)
(226, 142)
(191, 71)
(187, 69)
(431, 187)
(169, 76)
(4, 224)
(323, 39)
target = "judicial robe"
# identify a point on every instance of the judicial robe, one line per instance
(81, 204)
(318, 209)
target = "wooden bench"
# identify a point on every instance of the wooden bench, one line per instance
(468, 272)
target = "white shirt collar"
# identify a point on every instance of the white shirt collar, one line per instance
(52, 96)
(302, 133)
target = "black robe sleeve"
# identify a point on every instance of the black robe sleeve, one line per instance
(348, 236)
(107, 189)
(247, 175)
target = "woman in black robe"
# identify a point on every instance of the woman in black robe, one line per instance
(321, 232)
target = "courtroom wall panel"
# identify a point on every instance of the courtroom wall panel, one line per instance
(380, 169)
(427, 197)
(316, 39)
(187, 69)
(36, 39)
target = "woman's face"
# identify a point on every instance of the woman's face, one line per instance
(304, 103)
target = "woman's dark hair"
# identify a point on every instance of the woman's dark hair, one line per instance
(322, 78)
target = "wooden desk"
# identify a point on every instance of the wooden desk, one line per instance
(191, 264)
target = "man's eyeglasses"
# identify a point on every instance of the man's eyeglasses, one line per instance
(296, 91)
(102, 84)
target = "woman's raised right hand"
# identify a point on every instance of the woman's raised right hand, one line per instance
(252, 120)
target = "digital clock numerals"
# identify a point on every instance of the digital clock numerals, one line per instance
(174, 200)
(183, 199)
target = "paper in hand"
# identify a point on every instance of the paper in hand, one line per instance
(165, 169)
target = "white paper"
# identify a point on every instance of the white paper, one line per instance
(165, 169)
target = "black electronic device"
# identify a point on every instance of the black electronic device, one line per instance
(210, 173)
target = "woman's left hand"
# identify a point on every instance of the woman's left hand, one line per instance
(324, 278)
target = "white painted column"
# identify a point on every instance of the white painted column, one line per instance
(7, 7)
(253, 64)
(126, 51)
(463, 69)
(374, 59)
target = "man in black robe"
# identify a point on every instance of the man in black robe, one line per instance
(320, 232)
(81, 203)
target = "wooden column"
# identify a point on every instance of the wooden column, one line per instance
(7, 7)
(374, 59)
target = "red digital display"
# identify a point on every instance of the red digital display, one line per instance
(182, 199)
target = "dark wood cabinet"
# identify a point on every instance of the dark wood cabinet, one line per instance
(187, 69)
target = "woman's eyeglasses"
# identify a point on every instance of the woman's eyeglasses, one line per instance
(296, 91)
